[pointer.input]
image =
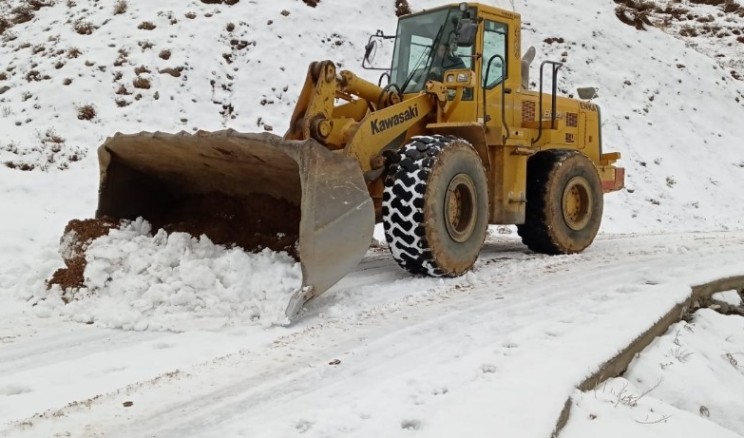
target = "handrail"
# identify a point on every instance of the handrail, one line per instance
(486, 117)
(555, 66)
(379, 81)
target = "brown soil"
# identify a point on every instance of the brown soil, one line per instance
(252, 223)
(82, 232)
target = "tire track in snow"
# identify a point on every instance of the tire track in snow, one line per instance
(73, 343)
(292, 375)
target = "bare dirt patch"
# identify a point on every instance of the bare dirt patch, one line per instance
(219, 2)
(120, 7)
(122, 91)
(635, 12)
(51, 152)
(5, 24)
(84, 28)
(402, 8)
(86, 112)
(141, 83)
(175, 72)
(712, 27)
(22, 14)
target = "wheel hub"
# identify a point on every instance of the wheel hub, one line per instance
(577, 203)
(460, 202)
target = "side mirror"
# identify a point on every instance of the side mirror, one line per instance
(588, 93)
(370, 50)
(466, 30)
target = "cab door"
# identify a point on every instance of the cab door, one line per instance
(494, 76)
(500, 78)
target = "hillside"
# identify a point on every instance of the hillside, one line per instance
(79, 71)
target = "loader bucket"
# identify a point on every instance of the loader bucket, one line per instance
(250, 190)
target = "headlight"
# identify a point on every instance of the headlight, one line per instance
(463, 77)
(451, 78)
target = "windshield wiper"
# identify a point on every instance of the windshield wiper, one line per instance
(422, 57)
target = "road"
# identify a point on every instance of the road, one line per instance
(495, 352)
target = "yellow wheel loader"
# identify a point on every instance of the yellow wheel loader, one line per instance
(456, 140)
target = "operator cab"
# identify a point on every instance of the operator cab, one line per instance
(429, 43)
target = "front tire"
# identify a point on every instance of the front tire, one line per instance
(435, 206)
(564, 202)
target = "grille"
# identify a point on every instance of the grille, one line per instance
(572, 120)
(528, 111)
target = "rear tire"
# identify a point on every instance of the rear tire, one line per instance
(564, 202)
(435, 206)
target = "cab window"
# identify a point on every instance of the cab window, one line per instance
(494, 43)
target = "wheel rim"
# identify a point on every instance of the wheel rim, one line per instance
(577, 203)
(460, 201)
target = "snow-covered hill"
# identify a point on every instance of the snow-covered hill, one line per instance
(79, 71)
(73, 72)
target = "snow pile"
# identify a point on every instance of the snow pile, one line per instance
(137, 281)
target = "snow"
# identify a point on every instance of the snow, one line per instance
(618, 409)
(189, 332)
(136, 281)
(730, 297)
(690, 375)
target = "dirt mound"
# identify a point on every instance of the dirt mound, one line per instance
(77, 237)
(252, 223)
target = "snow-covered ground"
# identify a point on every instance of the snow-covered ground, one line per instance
(184, 330)
(494, 353)
(690, 375)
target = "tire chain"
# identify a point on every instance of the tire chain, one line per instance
(403, 203)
